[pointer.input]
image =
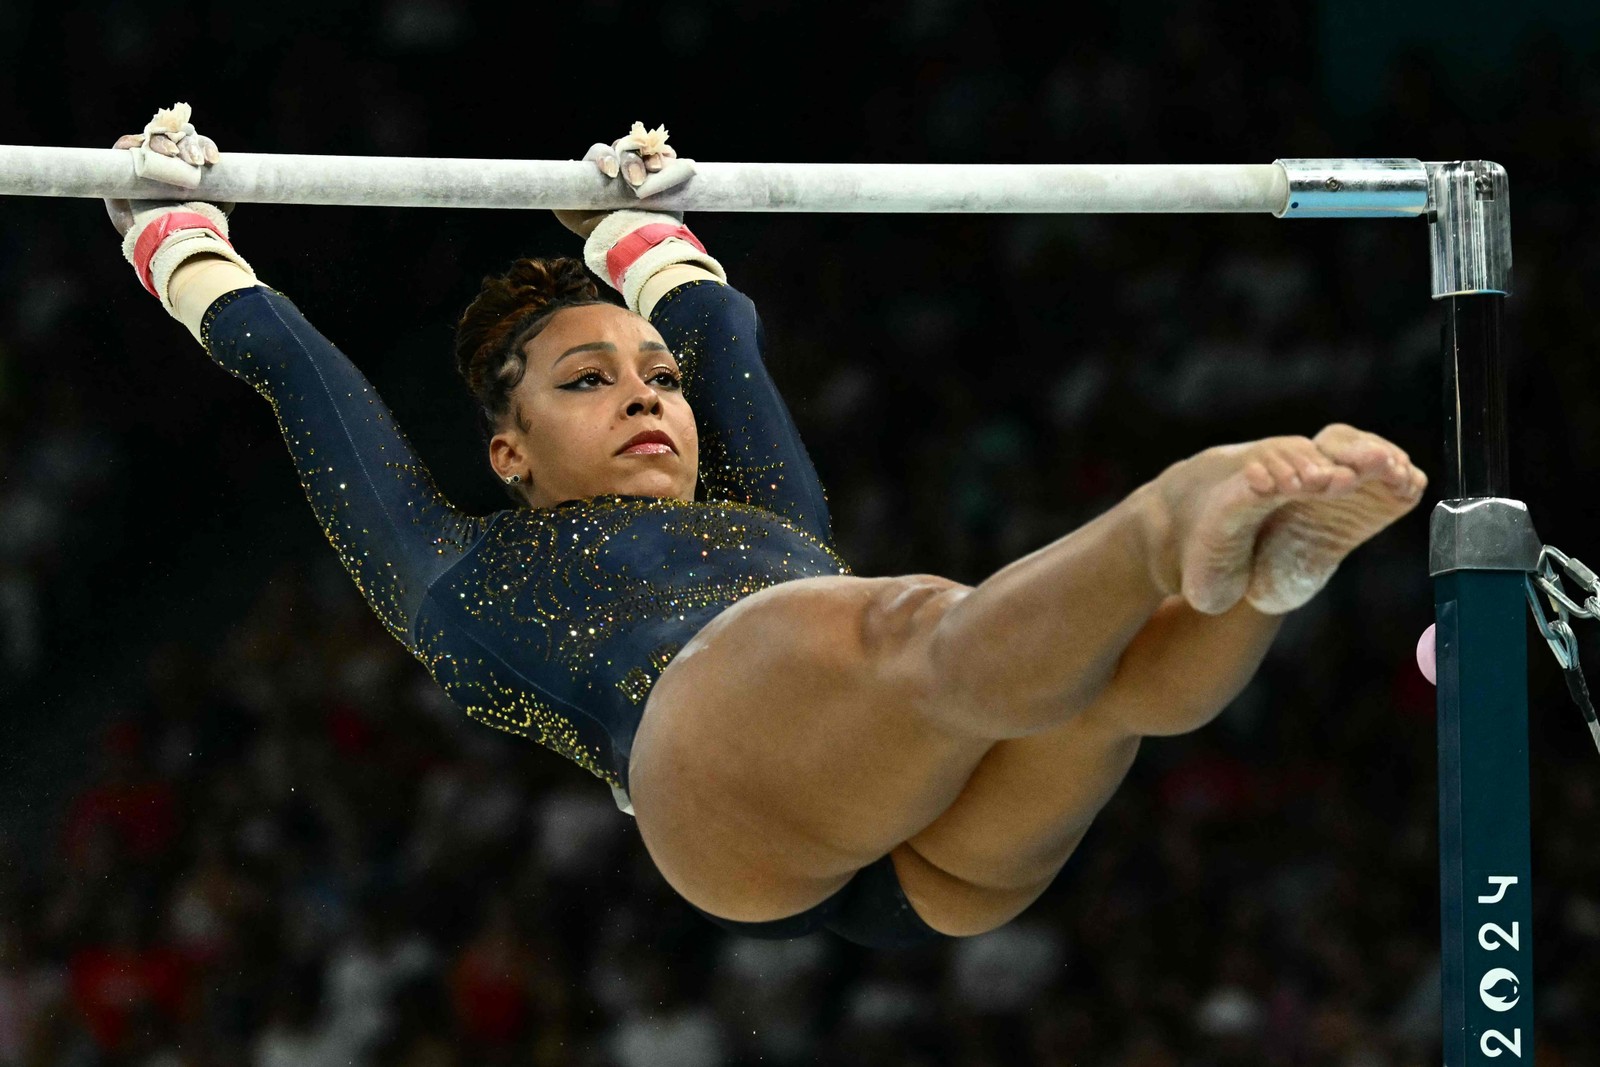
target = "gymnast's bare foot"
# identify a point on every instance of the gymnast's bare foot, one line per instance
(1269, 521)
(1304, 541)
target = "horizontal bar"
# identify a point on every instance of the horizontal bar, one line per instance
(392, 181)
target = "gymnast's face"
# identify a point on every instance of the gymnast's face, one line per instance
(597, 377)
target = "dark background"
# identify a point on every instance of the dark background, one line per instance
(241, 825)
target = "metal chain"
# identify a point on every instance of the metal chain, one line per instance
(1558, 632)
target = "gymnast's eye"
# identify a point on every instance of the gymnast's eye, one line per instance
(584, 381)
(672, 380)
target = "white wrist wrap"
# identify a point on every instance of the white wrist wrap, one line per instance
(616, 227)
(180, 245)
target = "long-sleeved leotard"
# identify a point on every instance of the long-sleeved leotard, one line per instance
(552, 623)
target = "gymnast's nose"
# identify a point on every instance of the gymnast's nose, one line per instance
(645, 400)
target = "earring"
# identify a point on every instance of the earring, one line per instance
(514, 479)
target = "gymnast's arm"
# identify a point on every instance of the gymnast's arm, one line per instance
(750, 448)
(394, 531)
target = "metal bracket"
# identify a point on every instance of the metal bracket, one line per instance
(1482, 534)
(1469, 227)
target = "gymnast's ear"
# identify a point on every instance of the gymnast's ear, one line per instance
(506, 458)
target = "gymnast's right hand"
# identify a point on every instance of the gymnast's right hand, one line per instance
(159, 235)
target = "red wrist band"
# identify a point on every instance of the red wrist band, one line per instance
(144, 249)
(627, 251)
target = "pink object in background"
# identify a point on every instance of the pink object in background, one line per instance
(1425, 656)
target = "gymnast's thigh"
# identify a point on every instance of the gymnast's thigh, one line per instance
(788, 745)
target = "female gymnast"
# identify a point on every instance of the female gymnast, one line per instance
(895, 759)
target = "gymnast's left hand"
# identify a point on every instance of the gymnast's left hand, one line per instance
(645, 163)
(174, 153)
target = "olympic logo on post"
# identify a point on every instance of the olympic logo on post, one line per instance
(1500, 989)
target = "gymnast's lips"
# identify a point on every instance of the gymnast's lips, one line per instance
(648, 437)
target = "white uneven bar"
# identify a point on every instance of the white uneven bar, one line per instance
(403, 181)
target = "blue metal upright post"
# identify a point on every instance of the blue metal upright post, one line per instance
(1483, 543)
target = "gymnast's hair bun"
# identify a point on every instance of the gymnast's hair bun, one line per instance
(487, 336)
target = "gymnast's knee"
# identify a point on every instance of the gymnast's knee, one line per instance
(899, 626)
(911, 648)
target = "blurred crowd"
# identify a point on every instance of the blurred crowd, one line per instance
(277, 843)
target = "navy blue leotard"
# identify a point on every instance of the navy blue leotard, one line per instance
(552, 623)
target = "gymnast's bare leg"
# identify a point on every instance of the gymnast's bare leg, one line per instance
(1030, 800)
(973, 732)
